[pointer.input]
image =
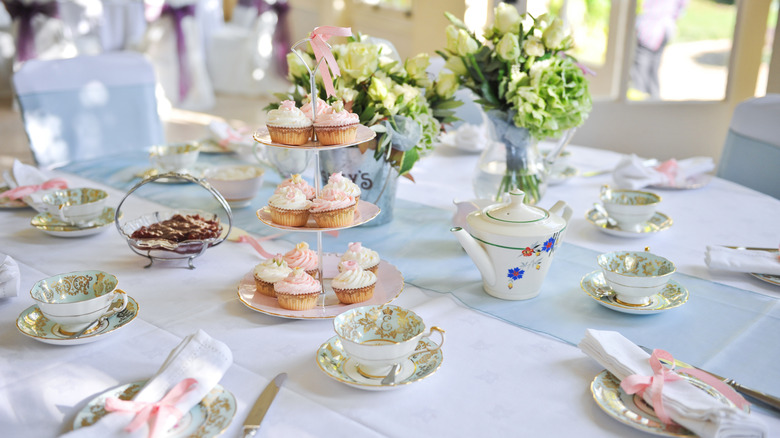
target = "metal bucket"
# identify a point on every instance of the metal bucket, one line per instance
(377, 179)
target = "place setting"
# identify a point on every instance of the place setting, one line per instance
(380, 348)
(628, 213)
(77, 308)
(761, 263)
(633, 172)
(177, 158)
(75, 212)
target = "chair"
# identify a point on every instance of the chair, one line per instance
(88, 106)
(751, 153)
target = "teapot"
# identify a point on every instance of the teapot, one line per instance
(513, 244)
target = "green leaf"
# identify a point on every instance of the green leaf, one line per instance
(448, 104)
(407, 162)
(456, 21)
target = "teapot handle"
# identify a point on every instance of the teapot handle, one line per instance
(562, 206)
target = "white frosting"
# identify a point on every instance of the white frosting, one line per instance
(272, 270)
(365, 257)
(288, 116)
(235, 173)
(354, 278)
(289, 198)
(339, 182)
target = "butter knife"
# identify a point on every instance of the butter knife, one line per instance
(256, 415)
(765, 399)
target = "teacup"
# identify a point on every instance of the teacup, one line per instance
(74, 206)
(629, 208)
(377, 337)
(237, 184)
(175, 157)
(635, 276)
(77, 299)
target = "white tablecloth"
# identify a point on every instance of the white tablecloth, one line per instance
(496, 379)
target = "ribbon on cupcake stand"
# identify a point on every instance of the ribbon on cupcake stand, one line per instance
(318, 39)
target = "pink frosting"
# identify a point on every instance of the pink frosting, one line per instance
(287, 105)
(331, 199)
(302, 257)
(322, 107)
(349, 265)
(298, 283)
(337, 118)
(355, 247)
(300, 184)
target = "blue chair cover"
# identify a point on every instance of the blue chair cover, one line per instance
(751, 153)
(88, 106)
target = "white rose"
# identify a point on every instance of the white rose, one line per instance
(466, 44)
(507, 19)
(533, 46)
(455, 64)
(508, 48)
(447, 84)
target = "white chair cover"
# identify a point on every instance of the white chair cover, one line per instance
(751, 154)
(50, 37)
(88, 106)
(123, 24)
(185, 81)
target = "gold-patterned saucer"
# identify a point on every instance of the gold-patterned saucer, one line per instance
(54, 226)
(33, 324)
(659, 222)
(209, 418)
(632, 410)
(334, 362)
(562, 175)
(769, 278)
(673, 295)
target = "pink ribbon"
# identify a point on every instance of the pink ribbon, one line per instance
(232, 135)
(319, 36)
(637, 384)
(669, 168)
(156, 412)
(256, 245)
(22, 191)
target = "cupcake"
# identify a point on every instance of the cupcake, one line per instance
(336, 126)
(333, 208)
(322, 107)
(303, 257)
(298, 291)
(288, 124)
(365, 257)
(269, 272)
(300, 184)
(339, 182)
(289, 207)
(353, 284)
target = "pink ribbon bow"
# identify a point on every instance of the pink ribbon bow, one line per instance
(22, 191)
(637, 384)
(156, 412)
(319, 36)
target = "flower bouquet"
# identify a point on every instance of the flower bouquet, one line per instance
(529, 87)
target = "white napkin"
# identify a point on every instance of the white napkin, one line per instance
(10, 280)
(227, 136)
(25, 175)
(742, 260)
(685, 404)
(467, 137)
(199, 356)
(633, 173)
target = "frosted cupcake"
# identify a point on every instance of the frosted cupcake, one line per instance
(300, 184)
(336, 126)
(298, 291)
(353, 284)
(333, 208)
(367, 259)
(269, 272)
(289, 207)
(339, 182)
(288, 124)
(322, 107)
(303, 257)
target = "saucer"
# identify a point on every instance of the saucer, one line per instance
(389, 284)
(334, 362)
(563, 175)
(365, 212)
(32, 323)
(54, 226)
(693, 182)
(209, 418)
(632, 410)
(769, 278)
(659, 222)
(673, 295)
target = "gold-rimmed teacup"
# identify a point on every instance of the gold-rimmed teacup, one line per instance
(635, 276)
(629, 208)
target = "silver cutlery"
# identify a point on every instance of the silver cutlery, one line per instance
(754, 249)
(390, 378)
(256, 415)
(765, 399)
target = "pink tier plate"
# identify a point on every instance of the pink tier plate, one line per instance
(362, 135)
(389, 284)
(364, 213)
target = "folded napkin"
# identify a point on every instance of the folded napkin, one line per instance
(10, 280)
(25, 180)
(467, 137)
(226, 136)
(684, 403)
(198, 357)
(742, 260)
(633, 172)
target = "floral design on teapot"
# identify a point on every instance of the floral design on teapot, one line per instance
(517, 272)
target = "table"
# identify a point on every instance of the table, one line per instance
(497, 379)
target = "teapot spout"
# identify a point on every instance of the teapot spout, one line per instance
(478, 255)
(551, 156)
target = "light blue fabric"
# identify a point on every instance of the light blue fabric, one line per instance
(752, 163)
(718, 325)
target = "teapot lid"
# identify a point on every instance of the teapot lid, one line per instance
(516, 212)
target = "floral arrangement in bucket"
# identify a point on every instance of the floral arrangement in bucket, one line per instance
(398, 100)
(529, 87)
